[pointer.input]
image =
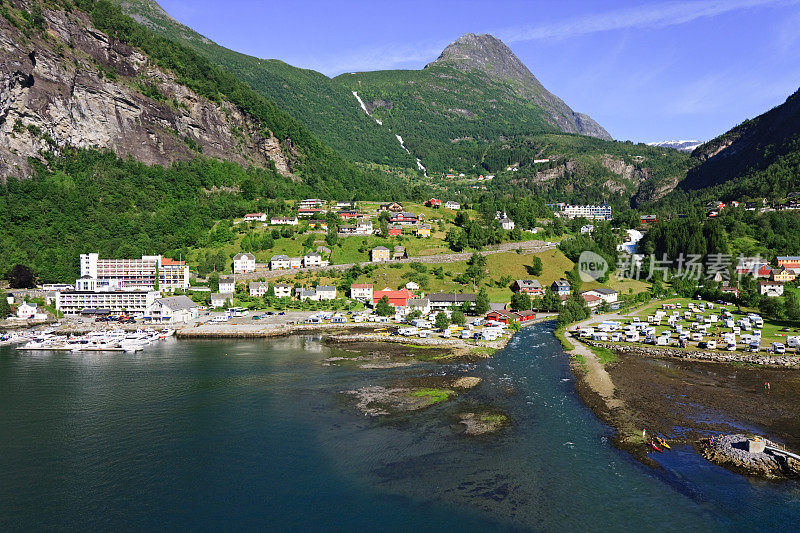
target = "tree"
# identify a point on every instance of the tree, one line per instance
(332, 237)
(442, 321)
(482, 302)
(213, 282)
(155, 281)
(384, 308)
(520, 301)
(791, 306)
(457, 317)
(21, 277)
(476, 269)
(413, 315)
(536, 266)
(551, 301)
(5, 309)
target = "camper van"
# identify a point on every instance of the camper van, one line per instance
(778, 347)
(793, 342)
(711, 345)
(754, 346)
(731, 347)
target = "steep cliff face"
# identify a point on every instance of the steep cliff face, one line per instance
(68, 84)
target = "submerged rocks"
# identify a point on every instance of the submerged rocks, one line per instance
(754, 456)
(483, 423)
(376, 400)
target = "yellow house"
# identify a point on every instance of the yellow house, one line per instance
(380, 253)
(782, 275)
(424, 230)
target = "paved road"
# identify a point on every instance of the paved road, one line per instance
(524, 246)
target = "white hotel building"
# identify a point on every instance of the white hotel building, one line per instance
(103, 297)
(591, 212)
(137, 273)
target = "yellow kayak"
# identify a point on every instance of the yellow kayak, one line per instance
(663, 443)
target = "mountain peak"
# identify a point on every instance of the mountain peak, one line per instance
(486, 53)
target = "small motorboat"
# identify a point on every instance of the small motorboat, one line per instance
(663, 443)
(656, 448)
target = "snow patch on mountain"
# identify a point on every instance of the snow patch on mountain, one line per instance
(683, 146)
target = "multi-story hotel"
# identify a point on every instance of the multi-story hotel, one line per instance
(129, 302)
(591, 212)
(138, 273)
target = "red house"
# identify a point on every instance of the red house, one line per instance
(395, 231)
(344, 215)
(507, 317)
(434, 202)
(396, 298)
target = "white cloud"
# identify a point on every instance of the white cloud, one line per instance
(650, 16)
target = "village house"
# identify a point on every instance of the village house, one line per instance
(782, 274)
(399, 253)
(314, 259)
(349, 214)
(244, 262)
(591, 300)
(219, 299)
(424, 230)
(255, 217)
(284, 262)
(380, 254)
(284, 221)
(412, 286)
(508, 317)
(605, 294)
(423, 305)
(172, 310)
(318, 224)
(395, 231)
(561, 287)
(311, 203)
(648, 219)
(351, 204)
(730, 290)
(304, 294)
(227, 285)
(393, 207)
(435, 203)
(770, 288)
(364, 227)
(405, 218)
(587, 228)
(308, 212)
(258, 288)
(455, 206)
(326, 292)
(361, 292)
(399, 298)
(529, 286)
(788, 261)
(282, 290)
(446, 300)
(30, 311)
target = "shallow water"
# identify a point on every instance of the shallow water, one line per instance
(181, 436)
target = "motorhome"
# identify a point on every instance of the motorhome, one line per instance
(778, 347)
(793, 341)
(754, 346)
(711, 345)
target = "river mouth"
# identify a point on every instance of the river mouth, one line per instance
(256, 433)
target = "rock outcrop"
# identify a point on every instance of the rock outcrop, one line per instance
(68, 84)
(734, 452)
(490, 55)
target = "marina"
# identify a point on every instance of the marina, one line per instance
(116, 340)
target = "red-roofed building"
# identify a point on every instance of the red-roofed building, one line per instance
(395, 231)
(396, 298)
(507, 317)
(591, 300)
(434, 202)
(345, 215)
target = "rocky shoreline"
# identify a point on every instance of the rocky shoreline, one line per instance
(751, 456)
(781, 361)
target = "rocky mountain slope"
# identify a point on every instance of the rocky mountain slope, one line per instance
(488, 54)
(477, 92)
(327, 108)
(769, 143)
(66, 83)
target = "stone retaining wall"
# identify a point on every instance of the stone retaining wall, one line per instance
(784, 361)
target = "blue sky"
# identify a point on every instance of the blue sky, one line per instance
(646, 71)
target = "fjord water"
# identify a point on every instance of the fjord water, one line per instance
(182, 436)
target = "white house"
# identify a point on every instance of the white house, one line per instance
(455, 206)
(172, 310)
(258, 288)
(361, 291)
(244, 262)
(280, 262)
(255, 217)
(770, 288)
(282, 290)
(219, 299)
(30, 311)
(227, 285)
(423, 305)
(364, 227)
(506, 223)
(284, 221)
(313, 259)
(412, 286)
(587, 228)
(607, 295)
(326, 292)
(307, 294)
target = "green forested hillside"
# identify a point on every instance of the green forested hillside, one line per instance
(758, 158)
(122, 208)
(327, 108)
